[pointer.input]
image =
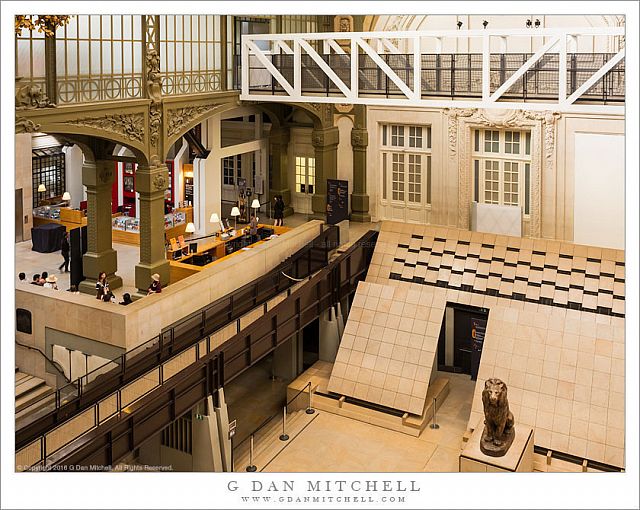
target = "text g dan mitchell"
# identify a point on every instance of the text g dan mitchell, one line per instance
(325, 486)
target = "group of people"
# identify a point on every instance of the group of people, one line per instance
(44, 279)
(103, 292)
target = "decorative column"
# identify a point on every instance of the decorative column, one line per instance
(152, 178)
(279, 178)
(98, 178)
(325, 142)
(359, 143)
(151, 181)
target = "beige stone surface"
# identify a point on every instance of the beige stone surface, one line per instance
(519, 457)
(564, 368)
(388, 346)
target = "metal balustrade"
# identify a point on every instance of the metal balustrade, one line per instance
(85, 391)
(120, 422)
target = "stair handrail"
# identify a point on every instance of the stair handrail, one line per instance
(55, 364)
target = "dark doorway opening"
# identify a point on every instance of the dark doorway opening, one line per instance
(310, 344)
(461, 339)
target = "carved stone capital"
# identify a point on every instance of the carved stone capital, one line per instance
(130, 126)
(151, 179)
(325, 138)
(359, 138)
(454, 114)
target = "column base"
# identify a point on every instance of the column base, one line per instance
(319, 207)
(360, 217)
(88, 285)
(360, 207)
(144, 272)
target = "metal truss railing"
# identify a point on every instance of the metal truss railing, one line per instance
(395, 68)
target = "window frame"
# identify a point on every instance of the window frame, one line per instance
(521, 185)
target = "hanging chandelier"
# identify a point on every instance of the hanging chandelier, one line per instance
(48, 24)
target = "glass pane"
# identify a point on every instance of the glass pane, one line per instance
(477, 140)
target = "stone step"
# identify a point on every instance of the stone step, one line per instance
(34, 399)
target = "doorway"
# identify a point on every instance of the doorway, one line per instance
(305, 173)
(18, 217)
(310, 344)
(461, 339)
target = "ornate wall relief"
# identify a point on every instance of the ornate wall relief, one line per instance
(177, 118)
(154, 89)
(130, 126)
(461, 124)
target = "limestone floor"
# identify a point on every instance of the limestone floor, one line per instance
(335, 443)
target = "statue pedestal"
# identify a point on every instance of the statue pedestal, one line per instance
(519, 457)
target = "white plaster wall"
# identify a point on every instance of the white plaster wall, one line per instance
(599, 190)
(182, 157)
(589, 44)
(73, 160)
(23, 181)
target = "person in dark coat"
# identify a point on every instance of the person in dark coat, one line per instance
(278, 211)
(64, 251)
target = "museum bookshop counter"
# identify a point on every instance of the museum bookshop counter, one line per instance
(209, 253)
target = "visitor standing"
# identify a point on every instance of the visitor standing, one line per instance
(278, 211)
(64, 251)
(102, 286)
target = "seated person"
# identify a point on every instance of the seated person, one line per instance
(36, 279)
(22, 277)
(51, 283)
(109, 297)
(156, 286)
(126, 299)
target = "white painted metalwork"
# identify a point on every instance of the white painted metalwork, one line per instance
(380, 47)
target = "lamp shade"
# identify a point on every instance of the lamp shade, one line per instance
(66, 196)
(214, 218)
(235, 212)
(42, 188)
(255, 204)
(190, 228)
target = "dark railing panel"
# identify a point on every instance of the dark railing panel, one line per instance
(111, 441)
(180, 336)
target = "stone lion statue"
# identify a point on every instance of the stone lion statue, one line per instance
(499, 428)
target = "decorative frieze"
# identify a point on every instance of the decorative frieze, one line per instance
(154, 89)
(128, 125)
(178, 117)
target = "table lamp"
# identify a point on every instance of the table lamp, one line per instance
(235, 212)
(215, 219)
(66, 196)
(41, 189)
(255, 205)
(190, 228)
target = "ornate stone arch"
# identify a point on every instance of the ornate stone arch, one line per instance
(181, 117)
(543, 139)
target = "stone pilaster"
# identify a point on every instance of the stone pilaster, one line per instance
(359, 143)
(151, 181)
(279, 179)
(98, 178)
(325, 142)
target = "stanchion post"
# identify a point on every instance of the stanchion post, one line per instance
(434, 425)
(284, 436)
(310, 410)
(251, 467)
